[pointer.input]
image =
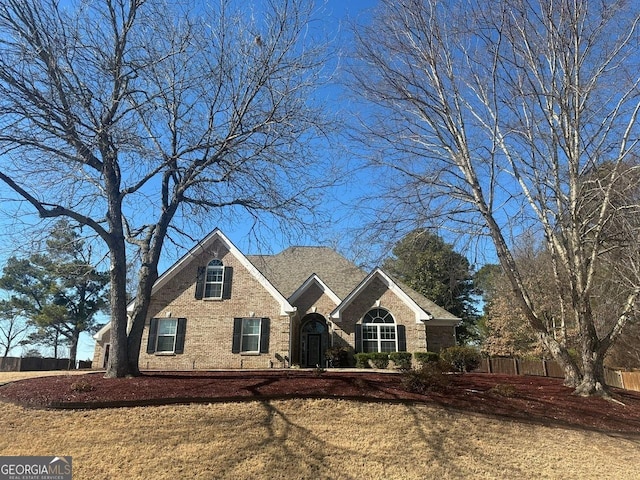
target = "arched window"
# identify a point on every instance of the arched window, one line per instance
(314, 326)
(379, 332)
(214, 279)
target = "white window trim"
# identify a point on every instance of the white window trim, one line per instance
(206, 283)
(379, 339)
(259, 335)
(175, 337)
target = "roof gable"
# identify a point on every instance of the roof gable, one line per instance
(423, 308)
(191, 255)
(209, 240)
(291, 268)
(314, 280)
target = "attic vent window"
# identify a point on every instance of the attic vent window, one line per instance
(214, 280)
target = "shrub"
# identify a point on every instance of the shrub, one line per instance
(82, 386)
(429, 378)
(422, 358)
(338, 356)
(503, 389)
(379, 360)
(401, 360)
(362, 360)
(460, 358)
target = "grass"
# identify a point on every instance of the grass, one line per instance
(11, 376)
(299, 439)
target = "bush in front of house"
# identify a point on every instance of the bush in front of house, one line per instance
(422, 358)
(367, 360)
(338, 356)
(401, 360)
(362, 360)
(460, 358)
(379, 360)
(428, 378)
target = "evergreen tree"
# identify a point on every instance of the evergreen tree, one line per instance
(60, 291)
(429, 265)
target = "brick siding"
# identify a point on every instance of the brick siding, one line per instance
(209, 326)
(209, 330)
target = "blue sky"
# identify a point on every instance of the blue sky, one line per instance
(16, 234)
(342, 203)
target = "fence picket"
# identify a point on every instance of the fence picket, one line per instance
(550, 368)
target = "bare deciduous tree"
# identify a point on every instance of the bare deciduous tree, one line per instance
(13, 327)
(136, 117)
(491, 115)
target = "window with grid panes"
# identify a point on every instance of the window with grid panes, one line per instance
(379, 332)
(214, 280)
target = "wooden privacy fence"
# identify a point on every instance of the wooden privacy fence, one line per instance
(24, 364)
(550, 368)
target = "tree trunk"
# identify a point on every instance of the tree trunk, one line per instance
(135, 342)
(593, 382)
(572, 374)
(147, 276)
(73, 349)
(139, 314)
(118, 365)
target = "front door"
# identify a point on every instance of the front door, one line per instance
(314, 349)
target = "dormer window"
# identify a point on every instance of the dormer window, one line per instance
(214, 280)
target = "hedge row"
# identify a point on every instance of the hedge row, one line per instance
(401, 360)
(458, 359)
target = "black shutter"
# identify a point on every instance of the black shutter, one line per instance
(237, 338)
(402, 338)
(264, 335)
(200, 282)
(180, 333)
(153, 333)
(358, 345)
(226, 286)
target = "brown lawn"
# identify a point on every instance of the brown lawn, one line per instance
(320, 438)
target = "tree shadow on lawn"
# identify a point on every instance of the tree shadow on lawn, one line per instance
(538, 399)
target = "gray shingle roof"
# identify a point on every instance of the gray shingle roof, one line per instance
(423, 302)
(289, 269)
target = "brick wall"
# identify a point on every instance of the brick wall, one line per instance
(314, 297)
(439, 338)
(403, 315)
(209, 329)
(209, 326)
(98, 352)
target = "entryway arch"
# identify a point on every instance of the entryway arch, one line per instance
(314, 340)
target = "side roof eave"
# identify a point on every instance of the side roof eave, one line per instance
(421, 314)
(100, 333)
(285, 306)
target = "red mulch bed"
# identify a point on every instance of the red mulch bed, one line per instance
(536, 399)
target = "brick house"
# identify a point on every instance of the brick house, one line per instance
(219, 308)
